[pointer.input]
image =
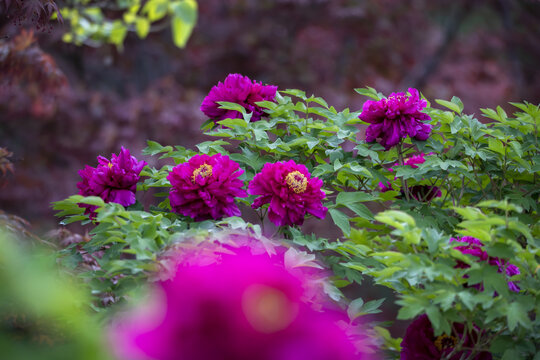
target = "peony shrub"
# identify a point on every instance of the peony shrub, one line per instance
(434, 205)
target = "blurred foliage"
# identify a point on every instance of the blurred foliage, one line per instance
(35, 12)
(25, 65)
(94, 23)
(43, 313)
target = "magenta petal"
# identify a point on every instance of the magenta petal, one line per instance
(209, 309)
(240, 90)
(395, 118)
(113, 180)
(291, 192)
(123, 197)
(205, 187)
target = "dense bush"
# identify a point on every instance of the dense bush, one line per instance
(438, 206)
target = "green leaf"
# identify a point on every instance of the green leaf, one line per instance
(511, 354)
(183, 21)
(396, 219)
(353, 311)
(410, 311)
(142, 27)
(341, 220)
(370, 92)
(93, 200)
(295, 92)
(361, 210)
(155, 9)
(496, 145)
(231, 106)
(118, 33)
(503, 205)
(358, 307)
(154, 148)
(450, 105)
(345, 198)
(318, 100)
(233, 122)
(372, 307)
(516, 314)
(434, 316)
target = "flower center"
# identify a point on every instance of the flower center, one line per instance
(444, 342)
(396, 98)
(296, 181)
(204, 170)
(110, 165)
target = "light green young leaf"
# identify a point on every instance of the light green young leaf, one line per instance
(450, 105)
(183, 21)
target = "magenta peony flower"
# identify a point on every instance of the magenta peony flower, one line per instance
(290, 191)
(385, 187)
(419, 342)
(413, 160)
(473, 246)
(113, 180)
(241, 90)
(241, 307)
(205, 187)
(395, 117)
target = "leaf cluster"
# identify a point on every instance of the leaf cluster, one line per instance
(486, 171)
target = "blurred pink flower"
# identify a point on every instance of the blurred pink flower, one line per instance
(240, 90)
(291, 192)
(395, 118)
(205, 187)
(240, 306)
(113, 180)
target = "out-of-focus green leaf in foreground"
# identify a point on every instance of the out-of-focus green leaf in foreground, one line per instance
(43, 314)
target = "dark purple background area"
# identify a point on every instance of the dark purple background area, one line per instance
(485, 52)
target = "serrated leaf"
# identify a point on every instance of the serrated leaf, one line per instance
(353, 310)
(515, 314)
(341, 220)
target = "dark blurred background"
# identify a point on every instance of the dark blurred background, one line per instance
(62, 105)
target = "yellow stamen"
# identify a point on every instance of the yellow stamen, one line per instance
(204, 170)
(395, 97)
(445, 342)
(296, 181)
(109, 165)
